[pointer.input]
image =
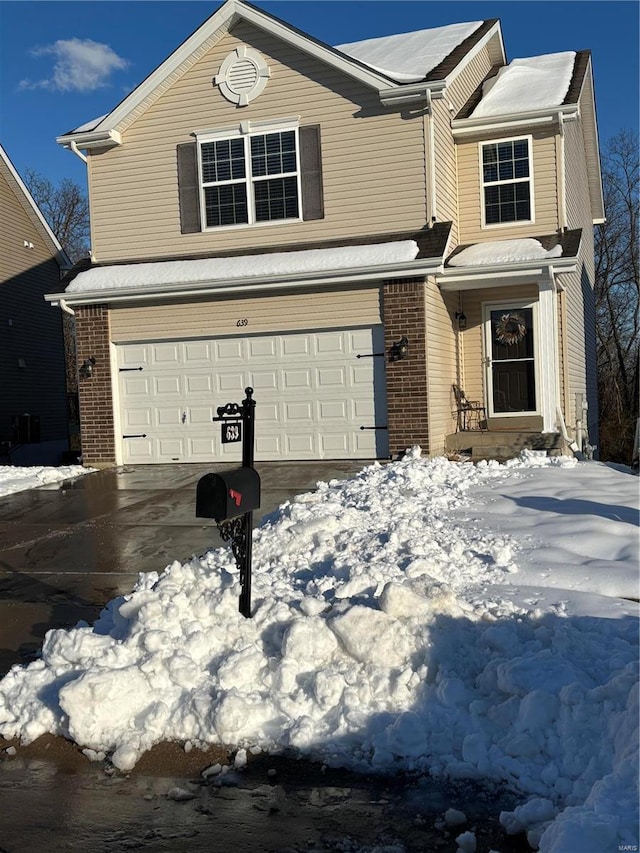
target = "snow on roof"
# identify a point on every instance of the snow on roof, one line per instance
(527, 84)
(89, 125)
(409, 57)
(504, 252)
(223, 269)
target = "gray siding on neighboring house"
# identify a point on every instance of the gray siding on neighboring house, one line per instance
(30, 329)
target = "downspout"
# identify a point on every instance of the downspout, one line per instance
(563, 430)
(433, 214)
(63, 305)
(73, 147)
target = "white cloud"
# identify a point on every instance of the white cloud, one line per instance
(81, 65)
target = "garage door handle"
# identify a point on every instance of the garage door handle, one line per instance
(375, 427)
(125, 369)
(371, 355)
(140, 435)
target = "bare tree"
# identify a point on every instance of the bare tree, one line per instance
(66, 209)
(617, 291)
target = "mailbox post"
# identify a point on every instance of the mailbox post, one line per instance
(231, 497)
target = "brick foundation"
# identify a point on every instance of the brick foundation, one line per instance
(404, 314)
(94, 392)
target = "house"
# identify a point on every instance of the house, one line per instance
(353, 231)
(33, 403)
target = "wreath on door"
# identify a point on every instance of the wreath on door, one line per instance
(510, 329)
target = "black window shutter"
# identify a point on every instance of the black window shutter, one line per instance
(188, 188)
(311, 172)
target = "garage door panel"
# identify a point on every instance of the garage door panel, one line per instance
(262, 348)
(135, 386)
(197, 352)
(330, 378)
(229, 351)
(296, 345)
(230, 383)
(302, 411)
(198, 383)
(135, 418)
(312, 395)
(167, 386)
(296, 379)
(140, 450)
(333, 409)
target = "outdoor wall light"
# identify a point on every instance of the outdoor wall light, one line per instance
(462, 321)
(86, 369)
(399, 350)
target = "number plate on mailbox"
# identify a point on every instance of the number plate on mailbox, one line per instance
(231, 432)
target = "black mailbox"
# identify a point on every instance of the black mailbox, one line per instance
(226, 495)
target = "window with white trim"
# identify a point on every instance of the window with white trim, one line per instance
(248, 178)
(506, 177)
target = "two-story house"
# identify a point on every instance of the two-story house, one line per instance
(34, 427)
(357, 232)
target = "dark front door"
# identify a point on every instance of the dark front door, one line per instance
(511, 347)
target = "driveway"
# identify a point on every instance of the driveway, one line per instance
(65, 551)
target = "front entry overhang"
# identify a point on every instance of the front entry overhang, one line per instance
(546, 277)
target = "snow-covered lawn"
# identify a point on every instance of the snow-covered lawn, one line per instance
(15, 479)
(427, 616)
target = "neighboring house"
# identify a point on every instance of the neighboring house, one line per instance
(271, 211)
(33, 401)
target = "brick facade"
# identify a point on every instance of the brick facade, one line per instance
(404, 314)
(94, 391)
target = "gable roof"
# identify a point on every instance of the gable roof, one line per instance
(425, 58)
(31, 208)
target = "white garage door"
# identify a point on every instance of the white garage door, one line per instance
(313, 395)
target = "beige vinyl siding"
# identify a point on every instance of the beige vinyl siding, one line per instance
(442, 357)
(373, 159)
(473, 377)
(457, 94)
(281, 312)
(31, 329)
(579, 297)
(545, 199)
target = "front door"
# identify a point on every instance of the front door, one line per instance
(511, 359)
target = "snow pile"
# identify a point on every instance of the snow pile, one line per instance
(504, 252)
(528, 84)
(409, 57)
(390, 631)
(13, 479)
(210, 270)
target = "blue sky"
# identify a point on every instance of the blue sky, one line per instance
(64, 63)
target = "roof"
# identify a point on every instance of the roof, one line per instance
(426, 55)
(495, 252)
(33, 211)
(366, 258)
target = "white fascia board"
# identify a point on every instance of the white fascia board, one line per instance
(515, 121)
(91, 139)
(471, 55)
(594, 173)
(222, 20)
(423, 267)
(472, 278)
(412, 93)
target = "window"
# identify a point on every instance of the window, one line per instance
(506, 181)
(250, 178)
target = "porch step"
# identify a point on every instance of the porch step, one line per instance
(504, 444)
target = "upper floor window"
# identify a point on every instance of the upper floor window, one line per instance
(506, 178)
(249, 178)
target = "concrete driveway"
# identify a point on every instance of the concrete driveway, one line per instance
(65, 551)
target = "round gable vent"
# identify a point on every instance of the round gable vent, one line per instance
(242, 76)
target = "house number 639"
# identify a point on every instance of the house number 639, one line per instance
(243, 322)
